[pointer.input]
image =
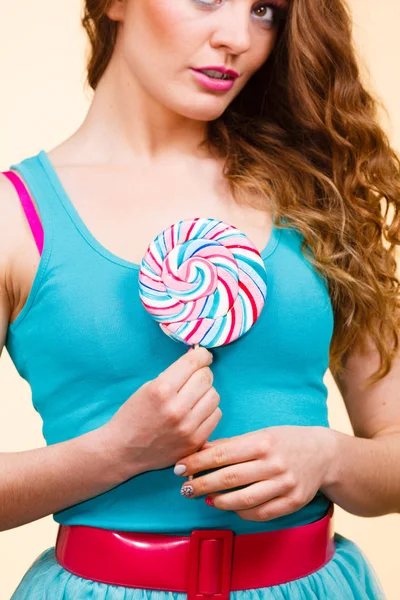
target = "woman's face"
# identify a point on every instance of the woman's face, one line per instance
(162, 41)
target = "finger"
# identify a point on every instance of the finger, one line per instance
(202, 410)
(179, 372)
(250, 497)
(208, 426)
(230, 477)
(275, 508)
(199, 384)
(221, 454)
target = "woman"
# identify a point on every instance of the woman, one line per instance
(290, 152)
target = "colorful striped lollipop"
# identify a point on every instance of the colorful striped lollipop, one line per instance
(204, 281)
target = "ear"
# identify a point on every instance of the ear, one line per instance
(116, 10)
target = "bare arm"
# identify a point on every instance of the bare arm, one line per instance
(36, 483)
(365, 474)
(40, 482)
(169, 417)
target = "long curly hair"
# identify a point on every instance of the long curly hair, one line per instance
(304, 134)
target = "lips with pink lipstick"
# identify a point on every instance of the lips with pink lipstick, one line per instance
(216, 77)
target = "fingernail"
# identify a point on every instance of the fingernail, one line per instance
(179, 469)
(209, 501)
(187, 491)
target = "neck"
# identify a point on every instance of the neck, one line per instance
(124, 123)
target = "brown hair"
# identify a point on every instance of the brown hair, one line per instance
(304, 132)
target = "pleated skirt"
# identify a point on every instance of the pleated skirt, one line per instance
(347, 576)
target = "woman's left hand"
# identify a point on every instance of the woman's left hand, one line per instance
(282, 468)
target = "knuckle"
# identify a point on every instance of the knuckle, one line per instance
(215, 394)
(280, 466)
(218, 412)
(152, 387)
(219, 455)
(248, 500)
(174, 417)
(265, 446)
(193, 359)
(295, 500)
(183, 430)
(161, 390)
(262, 515)
(230, 479)
(205, 376)
(201, 488)
(290, 481)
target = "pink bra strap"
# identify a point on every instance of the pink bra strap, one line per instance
(29, 208)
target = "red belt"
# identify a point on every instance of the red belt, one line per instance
(207, 562)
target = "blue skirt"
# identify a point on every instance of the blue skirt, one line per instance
(347, 576)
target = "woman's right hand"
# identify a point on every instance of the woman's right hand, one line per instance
(167, 418)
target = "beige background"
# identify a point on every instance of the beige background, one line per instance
(42, 102)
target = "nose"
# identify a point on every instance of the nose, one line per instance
(233, 29)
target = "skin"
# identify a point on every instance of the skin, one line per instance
(137, 154)
(283, 467)
(141, 135)
(140, 138)
(287, 465)
(196, 35)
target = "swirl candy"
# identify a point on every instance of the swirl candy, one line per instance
(204, 281)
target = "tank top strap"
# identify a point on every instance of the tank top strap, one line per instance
(51, 213)
(53, 229)
(28, 207)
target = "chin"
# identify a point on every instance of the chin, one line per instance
(200, 110)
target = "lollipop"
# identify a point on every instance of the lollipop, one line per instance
(204, 282)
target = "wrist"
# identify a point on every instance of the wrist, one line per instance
(113, 455)
(330, 451)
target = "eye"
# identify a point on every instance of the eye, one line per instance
(270, 13)
(264, 10)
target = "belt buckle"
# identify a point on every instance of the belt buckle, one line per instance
(196, 536)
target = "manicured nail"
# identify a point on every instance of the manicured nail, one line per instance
(179, 469)
(187, 491)
(209, 501)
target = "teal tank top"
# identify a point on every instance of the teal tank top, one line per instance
(84, 343)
